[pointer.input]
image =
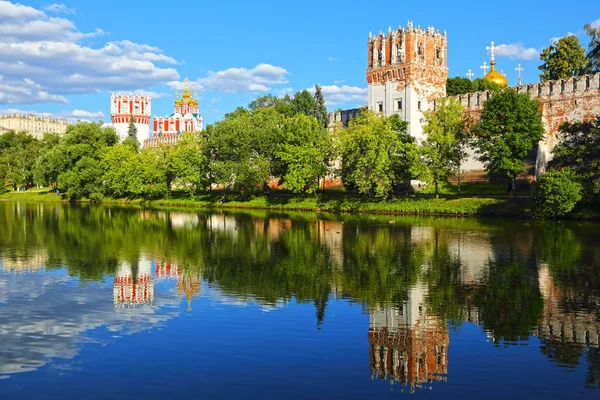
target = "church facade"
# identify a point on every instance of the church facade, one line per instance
(185, 117)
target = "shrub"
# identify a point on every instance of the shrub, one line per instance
(557, 192)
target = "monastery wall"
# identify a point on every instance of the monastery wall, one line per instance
(564, 100)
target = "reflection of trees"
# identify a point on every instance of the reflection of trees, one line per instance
(510, 304)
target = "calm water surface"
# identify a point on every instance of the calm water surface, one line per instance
(106, 302)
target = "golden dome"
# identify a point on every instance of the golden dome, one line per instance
(177, 100)
(496, 77)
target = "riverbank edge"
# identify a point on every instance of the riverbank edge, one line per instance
(519, 207)
(338, 204)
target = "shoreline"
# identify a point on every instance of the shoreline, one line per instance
(517, 208)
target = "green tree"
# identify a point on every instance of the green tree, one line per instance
(562, 59)
(371, 153)
(191, 162)
(18, 155)
(557, 192)
(442, 148)
(45, 173)
(122, 171)
(243, 148)
(158, 171)
(131, 139)
(76, 159)
(579, 150)
(406, 159)
(459, 85)
(304, 103)
(304, 154)
(482, 84)
(320, 111)
(510, 125)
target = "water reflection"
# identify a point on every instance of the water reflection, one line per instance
(418, 280)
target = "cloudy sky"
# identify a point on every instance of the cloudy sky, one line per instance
(64, 59)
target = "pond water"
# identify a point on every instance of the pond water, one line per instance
(104, 302)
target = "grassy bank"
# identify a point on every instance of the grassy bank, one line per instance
(334, 201)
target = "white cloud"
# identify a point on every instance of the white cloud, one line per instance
(595, 24)
(337, 82)
(556, 39)
(47, 54)
(334, 94)
(284, 91)
(516, 51)
(59, 9)
(72, 116)
(215, 100)
(331, 59)
(152, 95)
(236, 80)
(194, 86)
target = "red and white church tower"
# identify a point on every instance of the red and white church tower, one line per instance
(186, 117)
(124, 106)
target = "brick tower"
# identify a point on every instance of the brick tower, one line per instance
(407, 69)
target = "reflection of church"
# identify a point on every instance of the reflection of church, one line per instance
(408, 346)
(188, 285)
(133, 286)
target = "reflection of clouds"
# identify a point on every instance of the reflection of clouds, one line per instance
(46, 316)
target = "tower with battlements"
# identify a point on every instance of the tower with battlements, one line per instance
(406, 70)
(124, 106)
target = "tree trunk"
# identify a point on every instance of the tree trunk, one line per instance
(437, 194)
(513, 186)
(458, 176)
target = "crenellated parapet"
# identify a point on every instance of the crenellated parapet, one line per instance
(577, 89)
(406, 45)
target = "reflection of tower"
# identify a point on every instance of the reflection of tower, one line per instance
(128, 291)
(562, 324)
(190, 286)
(167, 271)
(408, 346)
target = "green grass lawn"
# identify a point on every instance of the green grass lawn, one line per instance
(336, 201)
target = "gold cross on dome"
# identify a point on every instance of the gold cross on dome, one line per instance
(492, 49)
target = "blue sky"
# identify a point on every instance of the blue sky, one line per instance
(65, 59)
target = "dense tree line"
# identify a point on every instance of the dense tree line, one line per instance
(283, 137)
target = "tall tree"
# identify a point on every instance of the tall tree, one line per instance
(303, 102)
(593, 56)
(320, 111)
(191, 162)
(510, 125)
(442, 148)
(304, 153)
(562, 59)
(131, 138)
